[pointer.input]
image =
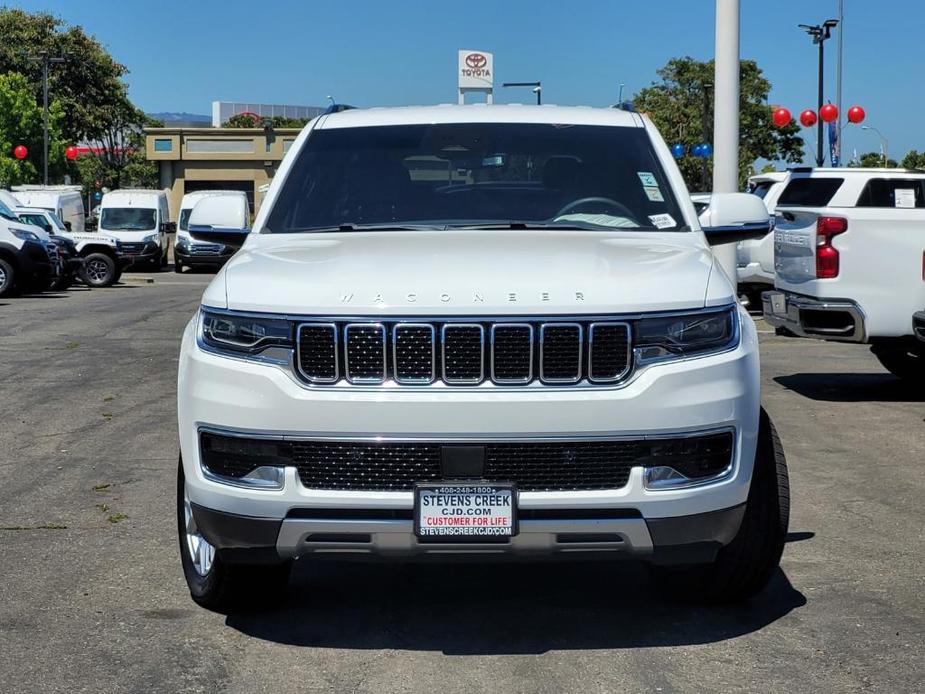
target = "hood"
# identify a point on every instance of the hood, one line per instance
(467, 272)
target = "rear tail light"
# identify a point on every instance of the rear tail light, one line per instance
(826, 254)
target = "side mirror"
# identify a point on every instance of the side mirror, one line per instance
(169, 227)
(733, 217)
(228, 236)
(68, 226)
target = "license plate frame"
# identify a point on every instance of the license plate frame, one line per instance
(468, 528)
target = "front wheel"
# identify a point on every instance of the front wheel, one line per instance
(744, 566)
(906, 362)
(99, 270)
(214, 583)
(7, 278)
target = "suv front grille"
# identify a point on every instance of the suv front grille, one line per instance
(531, 465)
(556, 352)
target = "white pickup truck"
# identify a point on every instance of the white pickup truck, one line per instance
(849, 250)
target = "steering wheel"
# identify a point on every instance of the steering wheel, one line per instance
(618, 206)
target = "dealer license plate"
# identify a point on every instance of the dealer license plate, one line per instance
(464, 512)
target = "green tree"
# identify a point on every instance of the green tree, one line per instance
(873, 160)
(87, 85)
(117, 158)
(21, 124)
(676, 106)
(243, 120)
(914, 160)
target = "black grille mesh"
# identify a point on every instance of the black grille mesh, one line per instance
(561, 353)
(465, 354)
(610, 351)
(532, 466)
(414, 353)
(463, 351)
(511, 354)
(365, 353)
(318, 352)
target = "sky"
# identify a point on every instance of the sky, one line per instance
(182, 55)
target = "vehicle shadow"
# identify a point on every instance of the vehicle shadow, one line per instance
(851, 387)
(522, 608)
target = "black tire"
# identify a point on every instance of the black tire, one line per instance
(164, 257)
(177, 266)
(744, 566)
(227, 586)
(99, 270)
(7, 278)
(61, 283)
(905, 362)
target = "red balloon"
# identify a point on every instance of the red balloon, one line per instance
(856, 114)
(781, 117)
(70, 152)
(20, 152)
(828, 113)
(808, 118)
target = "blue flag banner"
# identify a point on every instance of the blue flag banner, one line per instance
(834, 145)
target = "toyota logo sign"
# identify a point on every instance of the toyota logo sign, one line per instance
(476, 61)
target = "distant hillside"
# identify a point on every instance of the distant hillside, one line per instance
(182, 118)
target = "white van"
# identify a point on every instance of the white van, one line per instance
(64, 201)
(140, 219)
(195, 251)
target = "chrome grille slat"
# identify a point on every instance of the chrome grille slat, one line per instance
(609, 351)
(561, 346)
(413, 353)
(463, 353)
(365, 359)
(512, 353)
(455, 352)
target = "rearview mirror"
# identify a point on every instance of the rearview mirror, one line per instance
(733, 217)
(68, 226)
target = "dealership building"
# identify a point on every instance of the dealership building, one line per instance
(190, 159)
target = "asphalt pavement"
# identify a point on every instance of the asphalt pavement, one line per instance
(92, 598)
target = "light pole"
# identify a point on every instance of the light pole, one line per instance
(537, 88)
(820, 34)
(884, 143)
(43, 57)
(620, 98)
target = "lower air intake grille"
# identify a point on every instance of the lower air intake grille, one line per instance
(532, 466)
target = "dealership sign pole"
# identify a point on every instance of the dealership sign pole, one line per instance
(476, 71)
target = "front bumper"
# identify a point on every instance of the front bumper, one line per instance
(321, 533)
(36, 262)
(678, 397)
(191, 256)
(827, 319)
(140, 254)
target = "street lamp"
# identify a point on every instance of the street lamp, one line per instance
(884, 143)
(537, 88)
(820, 34)
(45, 59)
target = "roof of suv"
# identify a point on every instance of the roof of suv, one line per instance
(480, 113)
(825, 171)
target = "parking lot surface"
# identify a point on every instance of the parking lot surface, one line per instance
(92, 598)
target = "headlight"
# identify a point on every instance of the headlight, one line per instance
(244, 336)
(693, 334)
(151, 238)
(24, 235)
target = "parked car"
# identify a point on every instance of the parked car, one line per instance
(27, 260)
(468, 331)
(64, 201)
(193, 251)
(849, 257)
(140, 220)
(98, 259)
(755, 257)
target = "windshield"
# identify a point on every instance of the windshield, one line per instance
(7, 213)
(128, 218)
(458, 175)
(183, 222)
(36, 219)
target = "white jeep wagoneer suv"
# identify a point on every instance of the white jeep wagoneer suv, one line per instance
(474, 331)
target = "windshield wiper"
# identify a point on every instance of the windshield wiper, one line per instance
(350, 226)
(552, 226)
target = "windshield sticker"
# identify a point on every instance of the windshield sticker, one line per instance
(653, 193)
(662, 221)
(904, 197)
(648, 180)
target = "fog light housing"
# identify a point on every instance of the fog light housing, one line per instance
(249, 463)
